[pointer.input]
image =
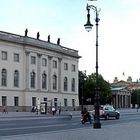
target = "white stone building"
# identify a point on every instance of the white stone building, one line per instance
(33, 71)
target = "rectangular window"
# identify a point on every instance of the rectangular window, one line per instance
(16, 101)
(4, 101)
(44, 62)
(45, 99)
(33, 80)
(73, 103)
(4, 77)
(54, 64)
(34, 101)
(73, 85)
(46, 103)
(55, 102)
(33, 60)
(16, 78)
(54, 82)
(16, 57)
(73, 68)
(4, 55)
(65, 102)
(65, 66)
(44, 81)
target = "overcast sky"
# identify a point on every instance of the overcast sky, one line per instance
(119, 29)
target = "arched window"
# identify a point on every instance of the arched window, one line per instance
(4, 77)
(44, 81)
(16, 78)
(73, 84)
(32, 79)
(65, 83)
(54, 82)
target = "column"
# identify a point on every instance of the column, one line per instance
(27, 74)
(59, 74)
(122, 101)
(116, 105)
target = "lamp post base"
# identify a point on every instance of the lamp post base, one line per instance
(97, 125)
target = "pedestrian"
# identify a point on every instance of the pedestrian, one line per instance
(5, 109)
(53, 111)
(59, 111)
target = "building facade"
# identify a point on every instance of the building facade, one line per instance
(34, 71)
(121, 92)
(121, 97)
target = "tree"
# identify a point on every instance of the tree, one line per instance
(135, 97)
(82, 80)
(87, 89)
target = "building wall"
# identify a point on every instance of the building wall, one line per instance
(24, 92)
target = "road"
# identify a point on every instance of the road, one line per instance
(29, 125)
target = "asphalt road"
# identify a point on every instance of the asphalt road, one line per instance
(29, 125)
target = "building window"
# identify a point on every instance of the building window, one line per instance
(65, 66)
(33, 80)
(45, 99)
(46, 103)
(4, 101)
(16, 57)
(55, 102)
(4, 77)
(73, 84)
(54, 64)
(4, 55)
(65, 83)
(33, 60)
(73, 68)
(34, 101)
(44, 62)
(16, 101)
(73, 103)
(54, 82)
(44, 81)
(65, 102)
(16, 78)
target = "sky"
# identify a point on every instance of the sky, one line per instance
(119, 29)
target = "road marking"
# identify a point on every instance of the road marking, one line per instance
(30, 127)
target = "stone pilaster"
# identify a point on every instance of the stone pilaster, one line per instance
(27, 74)
(39, 76)
(49, 72)
(59, 74)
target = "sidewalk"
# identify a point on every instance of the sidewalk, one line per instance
(123, 131)
(74, 113)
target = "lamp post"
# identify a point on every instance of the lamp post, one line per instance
(83, 87)
(88, 27)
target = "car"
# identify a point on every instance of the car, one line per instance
(108, 111)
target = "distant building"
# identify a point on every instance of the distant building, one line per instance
(121, 92)
(33, 71)
(121, 97)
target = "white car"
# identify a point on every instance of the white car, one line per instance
(107, 111)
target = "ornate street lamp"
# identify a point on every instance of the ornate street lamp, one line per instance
(88, 27)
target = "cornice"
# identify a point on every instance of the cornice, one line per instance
(25, 40)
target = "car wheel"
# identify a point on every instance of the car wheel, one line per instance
(117, 116)
(107, 117)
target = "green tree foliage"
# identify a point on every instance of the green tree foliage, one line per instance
(87, 86)
(135, 97)
(82, 82)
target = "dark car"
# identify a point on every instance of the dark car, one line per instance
(107, 111)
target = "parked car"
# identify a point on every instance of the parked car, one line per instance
(107, 111)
